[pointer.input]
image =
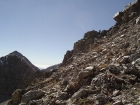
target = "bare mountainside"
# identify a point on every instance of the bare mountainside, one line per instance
(102, 69)
(16, 71)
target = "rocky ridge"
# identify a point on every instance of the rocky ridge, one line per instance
(102, 69)
(51, 67)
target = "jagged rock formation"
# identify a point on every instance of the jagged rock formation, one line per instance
(130, 11)
(84, 45)
(102, 69)
(16, 72)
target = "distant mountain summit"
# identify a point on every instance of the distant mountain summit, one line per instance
(52, 67)
(16, 53)
(16, 72)
(20, 56)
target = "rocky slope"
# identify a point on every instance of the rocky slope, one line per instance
(16, 71)
(102, 69)
(51, 67)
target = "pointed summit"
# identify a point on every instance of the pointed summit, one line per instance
(16, 53)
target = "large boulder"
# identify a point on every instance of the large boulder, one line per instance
(118, 17)
(32, 95)
(85, 73)
(16, 96)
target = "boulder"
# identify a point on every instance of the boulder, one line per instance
(36, 102)
(116, 92)
(118, 17)
(114, 69)
(72, 86)
(80, 94)
(125, 60)
(107, 81)
(16, 96)
(117, 103)
(32, 95)
(134, 68)
(63, 96)
(85, 73)
(137, 63)
(90, 34)
(98, 79)
(101, 99)
(138, 20)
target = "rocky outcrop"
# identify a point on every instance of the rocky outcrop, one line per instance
(130, 11)
(67, 58)
(83, 45)
(90, 39)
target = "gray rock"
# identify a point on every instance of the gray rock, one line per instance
(101, 99)
(118, 17)
(85, 73)
(16, 96)
(52, 102)
(36, 102)
(126, 59)
(137, 63)
(63, 95)
(116, 92)
(32, 95)
(114, 69)
(81, 93)
(138, 20)
(117, 103)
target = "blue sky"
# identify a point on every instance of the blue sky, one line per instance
(43, 30)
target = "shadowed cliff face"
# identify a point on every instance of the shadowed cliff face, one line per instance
(16, 72)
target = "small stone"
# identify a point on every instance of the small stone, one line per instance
(126, 59)
(101, 98)
(114, 69)
(117, 103)
(116, 92)
(137, 63)
(122, 35)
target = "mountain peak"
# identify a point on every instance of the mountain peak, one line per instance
(16, 53)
